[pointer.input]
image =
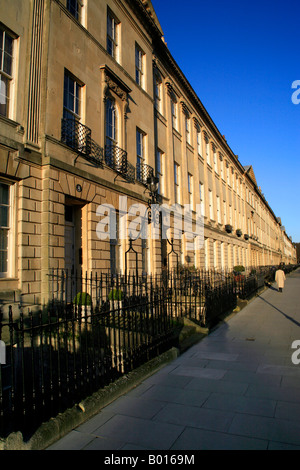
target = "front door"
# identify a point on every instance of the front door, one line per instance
(73, 238)
(69, 240)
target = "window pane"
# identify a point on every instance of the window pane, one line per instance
(4, 216)
(1, 45)
(4, 90)
(3, 261)
(71, 97)
(3, 239)
(4, 227)
(72, 6)
(139, 146)
(158, 162)
(4, 194)
(110, 48)
(110, 26)
(7, 59)
(110, 120)
(137, 77)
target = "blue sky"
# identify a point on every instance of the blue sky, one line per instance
(241, 58)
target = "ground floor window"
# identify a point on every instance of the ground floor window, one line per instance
(5, 230)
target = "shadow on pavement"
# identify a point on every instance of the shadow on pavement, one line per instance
(280, 311)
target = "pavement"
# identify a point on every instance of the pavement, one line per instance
(237, 389)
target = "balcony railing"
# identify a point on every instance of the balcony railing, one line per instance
(76, 135)
(116, 158)
(130, 173)
(143, 172)
(96, 155)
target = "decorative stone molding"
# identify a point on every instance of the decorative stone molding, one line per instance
(185, 109)
(197, 124)
(170, 91)
(115, 84)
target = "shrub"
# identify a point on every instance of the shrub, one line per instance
(82, 298)
(238, 269)
(115, 294)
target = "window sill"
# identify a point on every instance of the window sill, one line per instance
(177, 134)
(10, 122)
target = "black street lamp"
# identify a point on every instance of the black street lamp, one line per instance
(152, 185)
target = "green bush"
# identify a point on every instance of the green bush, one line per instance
(238, 269)
(82, 298)
(115, 294)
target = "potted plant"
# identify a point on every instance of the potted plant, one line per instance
(239, 232)
(83, 302)
(246, 236)
(228, 228)
(237, 270)
(115, 298)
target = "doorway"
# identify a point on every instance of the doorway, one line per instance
(73, 236)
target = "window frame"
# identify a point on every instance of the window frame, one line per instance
(10, 231)
(190, 190)
(188, 129)
(202, 198)
(158, 92)
(176, 183)
(73, 112)
(111, 137)
(207, 151)
(174, 114)
(140, 152)
(199, 142)
(211, 204)
(114, 39)
(159, 165)
(139, 66)
(74, 10)
(6, 74)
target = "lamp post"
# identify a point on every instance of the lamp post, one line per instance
(152, 186)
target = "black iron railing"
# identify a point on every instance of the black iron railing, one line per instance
(76, 135)
(97, 328)
(116, 158)
(130, 173)
(143, 172)
(96, 155)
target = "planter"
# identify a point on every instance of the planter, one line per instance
(246, 236)
(115, 300)
(115, 305)
(82, 303)
(239, 233)
(228, 228)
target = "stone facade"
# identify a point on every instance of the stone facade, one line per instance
(94, 104)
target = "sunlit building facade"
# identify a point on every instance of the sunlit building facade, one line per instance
(92, 106)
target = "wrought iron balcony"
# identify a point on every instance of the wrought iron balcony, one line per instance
(96, 155)
(143, 172)
(116, 158)
(76, 136)
(130, 173)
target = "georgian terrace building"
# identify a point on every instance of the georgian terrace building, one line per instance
(92, 104)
